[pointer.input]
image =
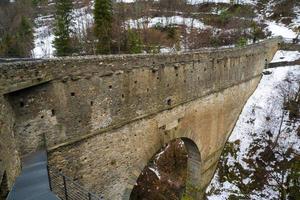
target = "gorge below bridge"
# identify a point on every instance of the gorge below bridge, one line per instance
(102, 118)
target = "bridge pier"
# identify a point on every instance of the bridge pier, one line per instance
(110, 163)
(193, 183)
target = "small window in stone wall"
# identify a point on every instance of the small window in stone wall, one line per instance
(22, 104)
(52, 112)
(169, 101)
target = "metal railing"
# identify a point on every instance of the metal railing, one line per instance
(64, 187)
(67, 189)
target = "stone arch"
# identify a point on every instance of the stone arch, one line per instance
(193, 181)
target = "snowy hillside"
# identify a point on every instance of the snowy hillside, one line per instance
(83, 19)
(200, 1)
(286, 56)
(260, 157)
(280, 30)
(44, 32)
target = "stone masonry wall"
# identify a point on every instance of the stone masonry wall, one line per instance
(104, 117)
(110, 163)
(69, 99)
(290, 47)
(9, 156)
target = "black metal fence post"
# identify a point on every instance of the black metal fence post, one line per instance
(49, 177)
(44, 141)
(65, 187)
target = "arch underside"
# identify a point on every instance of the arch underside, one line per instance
(193, 181)
(193, 169)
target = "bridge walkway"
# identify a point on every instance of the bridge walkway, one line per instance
(33, 183)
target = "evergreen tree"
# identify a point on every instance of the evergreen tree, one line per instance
(134, 42)
(20, 43)
(25, 37)
(62, 32)
(103, 25)
(16, 33)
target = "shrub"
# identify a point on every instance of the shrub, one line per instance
(200, 39)
(241, 42)
(134, 42)
(225, 16)
(256, 31)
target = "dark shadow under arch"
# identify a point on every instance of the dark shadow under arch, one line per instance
(192, 169)
(193, 182)
(3, 186)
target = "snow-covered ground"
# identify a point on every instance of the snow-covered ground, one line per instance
(44, 33)
(263, 126)
(193, 2)
(296, 20)
(280, 30)
(83, 18)
(286, 56)
(43, 42)
(220, 1)
(164, 21)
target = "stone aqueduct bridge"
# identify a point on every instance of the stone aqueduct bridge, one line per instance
(105, 117)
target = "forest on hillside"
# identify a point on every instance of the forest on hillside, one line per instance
(47, 28)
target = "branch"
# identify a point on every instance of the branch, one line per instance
(279, 131)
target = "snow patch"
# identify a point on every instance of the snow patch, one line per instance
(286, 56)
(156, 172)
(280, 30)
(263, 111)
(164, 21)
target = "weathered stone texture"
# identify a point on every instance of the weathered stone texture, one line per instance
(290, 47)
(93, 94)
(111, 162)
(137, 103)
(9, 156)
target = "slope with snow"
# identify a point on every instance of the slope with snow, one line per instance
(278, 29)
(43, 39)
(83, 18)
(286, 56)
(164, 21)
(193, 2)
(259, 157)
(44, 32)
